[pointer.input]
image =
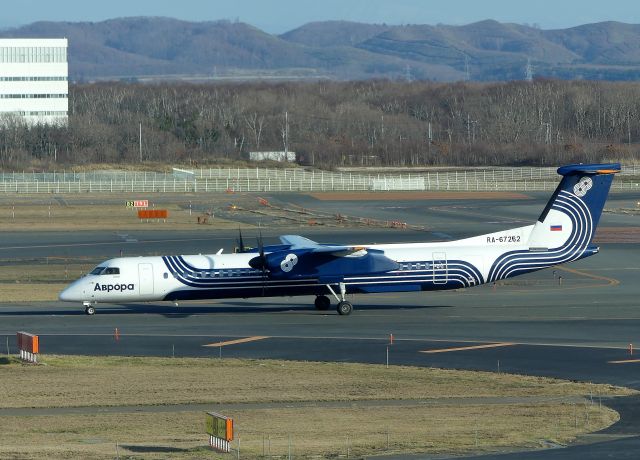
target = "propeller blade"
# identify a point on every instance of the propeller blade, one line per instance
(263, 260)
(240, 242)
(261, 246)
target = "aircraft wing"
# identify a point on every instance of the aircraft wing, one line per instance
(297, 240)
(306, 258)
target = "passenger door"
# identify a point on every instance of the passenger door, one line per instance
(440, 271)
(145, 274)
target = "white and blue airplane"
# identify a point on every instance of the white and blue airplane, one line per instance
(299, 266)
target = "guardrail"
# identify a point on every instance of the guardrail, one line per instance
(339, 184)
(497, 174)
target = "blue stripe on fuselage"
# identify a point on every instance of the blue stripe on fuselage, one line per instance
(227, 283)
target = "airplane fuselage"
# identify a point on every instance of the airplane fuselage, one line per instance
(563, 233)
(422, 267)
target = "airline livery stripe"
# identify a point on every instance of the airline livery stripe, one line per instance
(518, 262)
(456, 271)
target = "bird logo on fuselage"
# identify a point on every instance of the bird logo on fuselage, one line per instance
(288, 262)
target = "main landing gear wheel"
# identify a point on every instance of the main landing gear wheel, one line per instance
(322, 302)
(344, 308)
(90, 310)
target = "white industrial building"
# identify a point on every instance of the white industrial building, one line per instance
(34, 83)
(273, 156)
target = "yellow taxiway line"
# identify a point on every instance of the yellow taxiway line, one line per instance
(471, 347)
(623, 361)
(233, 342)
(610, 281)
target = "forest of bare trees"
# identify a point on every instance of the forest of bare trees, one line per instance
(332, 124)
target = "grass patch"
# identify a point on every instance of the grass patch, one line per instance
(320, 432)
(42, 282)
(31, 293)
(110, 381)
(5, 360)
(366, 426)
(98, 216)
(51, 270)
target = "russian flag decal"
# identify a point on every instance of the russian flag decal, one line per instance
(556, 228)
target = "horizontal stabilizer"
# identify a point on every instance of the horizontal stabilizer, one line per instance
(595, 169)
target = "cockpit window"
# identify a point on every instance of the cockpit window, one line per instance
(105, 271)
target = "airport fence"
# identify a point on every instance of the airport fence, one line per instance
(294, 180)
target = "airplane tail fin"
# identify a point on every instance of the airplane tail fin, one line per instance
(573, 211)
(567, 224)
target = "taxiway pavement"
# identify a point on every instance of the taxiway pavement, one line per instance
(574, 322)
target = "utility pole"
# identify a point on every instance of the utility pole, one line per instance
(286, 134)
(528, 72)
(467, 71)
(429, 140)
(140, 142)
(407, 73)
(629, 127)
(547, 139)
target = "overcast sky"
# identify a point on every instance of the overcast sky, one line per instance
(277, 16)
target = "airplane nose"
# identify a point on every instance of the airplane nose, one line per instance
(64, 295)
(68, 294)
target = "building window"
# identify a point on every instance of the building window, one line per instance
(32, 96)
(22, 54)
(33, 78)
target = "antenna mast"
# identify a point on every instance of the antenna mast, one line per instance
(528, 72)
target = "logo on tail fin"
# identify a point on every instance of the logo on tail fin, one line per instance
(583, 186)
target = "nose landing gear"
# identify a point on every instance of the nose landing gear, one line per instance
(89, 309)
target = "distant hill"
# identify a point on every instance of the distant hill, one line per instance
(155, 47)
(333, 33)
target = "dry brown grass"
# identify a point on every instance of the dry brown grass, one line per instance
(315, 430)
(52, 270)
(40, 282)
(321, 432)
(421, 196)
(96, 216)
(109, 381)
(31, 292)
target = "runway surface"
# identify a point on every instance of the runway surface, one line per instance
(574, 322)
